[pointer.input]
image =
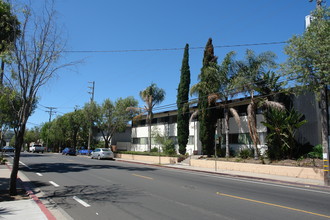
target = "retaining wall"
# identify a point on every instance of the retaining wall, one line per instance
(151, 159)
(297, 172)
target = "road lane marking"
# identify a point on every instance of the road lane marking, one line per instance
(81, 201)
(54, 184)
(216, 176)
(145, 177)
(25, 165)
(272, 204)
(39, 174)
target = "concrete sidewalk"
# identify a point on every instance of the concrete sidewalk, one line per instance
(26, 208)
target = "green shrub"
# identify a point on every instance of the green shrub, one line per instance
(317, 152)
(245, 153)
(154, 150)
(222, 152)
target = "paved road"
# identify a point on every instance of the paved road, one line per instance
(92, 189)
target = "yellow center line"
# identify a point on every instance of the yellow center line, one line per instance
(271, 204)
(145, 177)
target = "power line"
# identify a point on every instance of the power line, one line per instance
(172, 49)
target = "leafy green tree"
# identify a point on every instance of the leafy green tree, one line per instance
(6, 115)
(152, 96)
(207, 110)
(32, 135)
(182, 103)
(61, 131)
(9, 31)
(308, 64)
(76, 122)
(249, 72)
(113, 117)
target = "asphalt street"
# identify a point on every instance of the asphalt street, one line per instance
(106, 189)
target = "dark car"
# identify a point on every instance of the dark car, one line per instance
(69, 151)
(8, 149)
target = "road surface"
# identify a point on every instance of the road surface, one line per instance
(106, 189)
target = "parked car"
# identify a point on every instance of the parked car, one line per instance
(69, 151)
(8, 149)
(37, 148)
(84, 151)
(102, 153)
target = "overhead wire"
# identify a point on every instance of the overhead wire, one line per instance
(172, 49)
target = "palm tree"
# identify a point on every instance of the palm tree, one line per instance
(224, 76)
(250, 71)
(152, 96)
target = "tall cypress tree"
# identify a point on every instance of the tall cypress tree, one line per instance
(206, 111)
(182, 103)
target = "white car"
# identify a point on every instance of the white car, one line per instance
(102, 153)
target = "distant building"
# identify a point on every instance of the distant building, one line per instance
(166, 124)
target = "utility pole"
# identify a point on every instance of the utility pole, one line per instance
(90, 126)
(50, 119)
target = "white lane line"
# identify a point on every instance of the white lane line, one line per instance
(25, 165)
(54, 184)
(39, 174)
(81, 201)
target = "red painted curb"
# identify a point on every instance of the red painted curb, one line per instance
(42, 207)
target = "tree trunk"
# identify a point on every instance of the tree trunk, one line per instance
(252, 124)
(14, 171)
(2, 72)
(149, 136)
(227, 131)
(325, 133)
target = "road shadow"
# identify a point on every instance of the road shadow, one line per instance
(4, 191)
(4, 212)
(77, 167)
(114, 193)
(27, 155)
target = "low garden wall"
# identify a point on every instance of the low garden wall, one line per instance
(151, 159)
(297, 172)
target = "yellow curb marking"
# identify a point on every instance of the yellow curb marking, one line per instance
(145, 177)
(271, 204)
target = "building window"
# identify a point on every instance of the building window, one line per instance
(191, 140)
(174, 139)
(173, 119)
(143, 140)
(243, 138)
(163, 120)
(154, 121)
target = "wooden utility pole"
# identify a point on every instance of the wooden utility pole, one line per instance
(90, 128)
(50, 119)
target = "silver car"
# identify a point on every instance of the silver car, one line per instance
(102, 153)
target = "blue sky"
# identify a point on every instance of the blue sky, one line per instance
(107, 25)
